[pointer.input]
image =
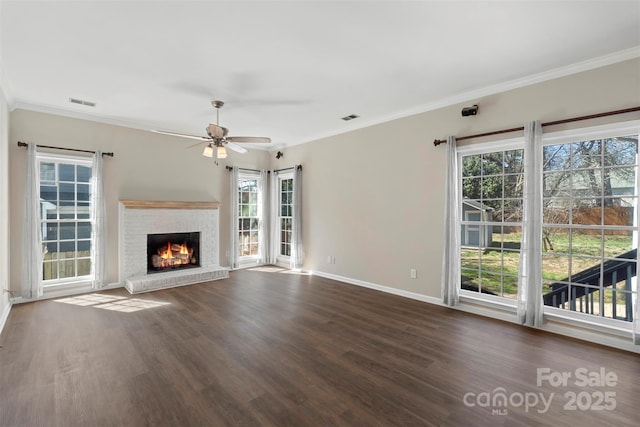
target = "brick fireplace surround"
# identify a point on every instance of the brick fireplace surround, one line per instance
(141, 217)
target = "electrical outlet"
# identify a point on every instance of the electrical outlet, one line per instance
(413, 273)
(333, 260)
(328, 259)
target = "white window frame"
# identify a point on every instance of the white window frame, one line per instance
(561, 316)
(467, 150)
(597, 132)
(283, 259)
(245, 260)
(76, 281)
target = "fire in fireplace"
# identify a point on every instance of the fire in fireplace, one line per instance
(172, 251)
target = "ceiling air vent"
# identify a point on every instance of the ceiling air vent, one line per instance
(81, 102)
(350, 117)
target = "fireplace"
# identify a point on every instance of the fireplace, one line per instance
(141, 218)
(172, 251)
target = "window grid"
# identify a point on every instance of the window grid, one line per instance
(66, 225)
(492, 196)
(286, 215)
(590, 197)
(248, 218)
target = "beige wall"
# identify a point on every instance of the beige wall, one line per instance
(145, 165)
(372, 198)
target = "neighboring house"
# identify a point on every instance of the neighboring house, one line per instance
(480, 235)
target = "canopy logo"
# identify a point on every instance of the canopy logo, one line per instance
(499, 401)
(592, 398)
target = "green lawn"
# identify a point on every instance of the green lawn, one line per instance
(498, 265)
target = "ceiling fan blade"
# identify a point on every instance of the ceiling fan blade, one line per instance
(215, 131)
(196, 144)
(235, 147)
(249, 139)
(183, 135)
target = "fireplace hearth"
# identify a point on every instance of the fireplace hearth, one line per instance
(172, 251)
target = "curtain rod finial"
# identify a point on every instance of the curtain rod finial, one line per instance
(437, 142)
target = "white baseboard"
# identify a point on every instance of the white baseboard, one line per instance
(250, 265)
(562, 328)
(113, 285)
(382, 288)
(507, 315)
(246, 265)
(5, 315)
(606, 338)
(67, 292)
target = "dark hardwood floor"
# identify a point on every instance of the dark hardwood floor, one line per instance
(279, 349)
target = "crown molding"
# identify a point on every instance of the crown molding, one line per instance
(579, 67)
(590, 64)
(47, 109)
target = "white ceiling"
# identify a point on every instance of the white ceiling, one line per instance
(291, 70)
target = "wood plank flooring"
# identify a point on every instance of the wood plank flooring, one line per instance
(281, 349)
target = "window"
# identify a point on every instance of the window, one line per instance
(589, 222)
(65, 198)
(590, 197)
(285, 188)
(491, 221)
(248, 216)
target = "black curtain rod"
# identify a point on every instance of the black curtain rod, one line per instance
(437, 142)
(24, 144)
(288, 169)
(255, 170)
(229, 168)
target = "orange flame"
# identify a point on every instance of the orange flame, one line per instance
(167, 254)
(174, 254)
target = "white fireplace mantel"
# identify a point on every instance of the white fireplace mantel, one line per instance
(138, 218)
(161, 204)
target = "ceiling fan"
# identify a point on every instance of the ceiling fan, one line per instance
(217, 138)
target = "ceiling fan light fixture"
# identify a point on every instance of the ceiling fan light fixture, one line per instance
(222, 152)
(216, 138)
(208, 151)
